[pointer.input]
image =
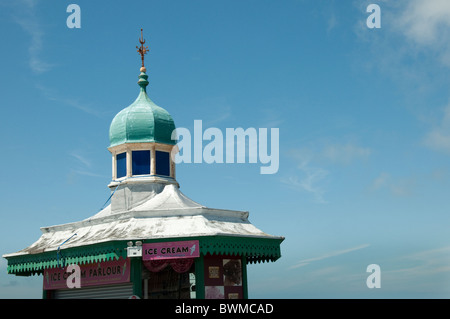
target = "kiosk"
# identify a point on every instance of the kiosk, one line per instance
(151, 241)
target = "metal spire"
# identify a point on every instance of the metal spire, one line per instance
(142, 50)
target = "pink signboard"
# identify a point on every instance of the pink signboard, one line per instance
(171, 250)
(101, 273)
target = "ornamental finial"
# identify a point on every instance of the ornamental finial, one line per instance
(142, 50)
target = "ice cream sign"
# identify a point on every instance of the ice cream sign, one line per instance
(171, 250)
(94, 274)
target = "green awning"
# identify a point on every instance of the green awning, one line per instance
(255, 249)
(31, 264)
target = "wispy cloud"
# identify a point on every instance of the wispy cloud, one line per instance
(332, 22)
(416, 55)
(381, 181)
(215, 110)
(435, 256)
(398, 187)
(270, 117)
(223, 114)
(87, 173)
(426, 23)
(52, 95)
(25, 16)
(334, 153)
(438, 138)
(424, 271)
(327, 255)
(311, 176)
(81, 158)
(345, 153)
(411, 47)
(309, 182)
(82, 165)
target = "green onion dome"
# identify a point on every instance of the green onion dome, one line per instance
(143, 121)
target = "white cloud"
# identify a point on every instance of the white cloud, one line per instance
(335, 153)
(398, 187)
(215, 110)
(438, 138)
(404, 187)
(270, 117)
(425, 21)
(380, 181)
(83, 166)
(27, 19)
(332, 22)
(311, 178)
(327, 255)
(424, 271)
(221, 114)
(310, 182)
(411, 47)
(81, 158)
(345, 153)
(426, 24)
(52, 95)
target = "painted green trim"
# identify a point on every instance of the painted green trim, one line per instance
(136, 276)
(255, 250)
(199, 278)
(244, 277)
(31, 264)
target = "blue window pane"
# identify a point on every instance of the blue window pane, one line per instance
(141, 162)
(162, 163)
(121, 165)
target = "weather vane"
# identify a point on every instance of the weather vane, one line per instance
(142, 50)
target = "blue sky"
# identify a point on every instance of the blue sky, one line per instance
(363, 114)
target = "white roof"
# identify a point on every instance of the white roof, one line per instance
(167, 214)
